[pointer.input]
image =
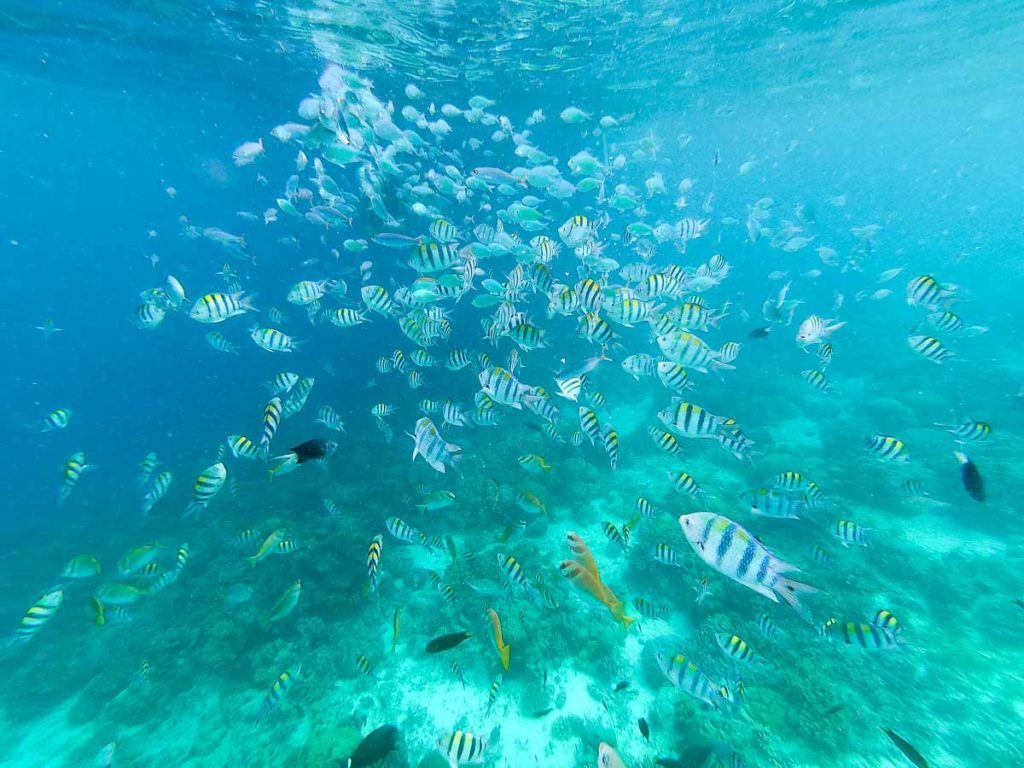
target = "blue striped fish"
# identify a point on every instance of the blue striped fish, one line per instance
(277, 691)
(431, 446)
(732, 551)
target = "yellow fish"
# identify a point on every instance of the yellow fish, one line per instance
(534, 463)
(504, 651)
(267, 547)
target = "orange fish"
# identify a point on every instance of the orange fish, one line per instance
(504, 651)
(584, 574)
(582, 553)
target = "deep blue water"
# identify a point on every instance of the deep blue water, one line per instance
(910, 112)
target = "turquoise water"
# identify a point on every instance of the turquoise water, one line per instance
(833, 152)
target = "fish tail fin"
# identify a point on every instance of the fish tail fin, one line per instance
(245, 302)
(790, 590)
(506, 656)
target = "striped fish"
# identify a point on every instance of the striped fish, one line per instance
(953, 323)
(306, 292)
(735, 648)
(589, 424)
(429, 444)
(373, 560)
(156, 491)
(610, 438)
(242, 447)
(577, 230)
(664, 440)
(206, 486)
(277, 691)
(182, 556)
(925, 291)
(685, 483)
(59, 419)
(443, 231)
(402, 531)
(888, 448)
(272, 339)
(283, 382)
(595, 328)
(732, 551)
(665, 555)
(512, 571)
(644, 508)
(690, 420)
(729, 352)
(431, 257)
(864, 636)
(687, 676)
(377, 298)
(647, 609)
(502, 387)
(463, 747)
(74, 468)
(767, 626)
(968, 431)
(817, 379)
(562, 300)
(570, 388)
(736, 442)
(690, 351)
(346, 317)
(297, 399)
(819, 554)
(848, 532)
(35, 617)
(628, 312)
(774, 504)
(639, 365)
(791, 481)
(218, 307)
(363, 665)
(492, 694)
(886, 621)
(149, 316)
(457, 360)
(146, 468)
(674, 376)
(271, 419)
(929, 348)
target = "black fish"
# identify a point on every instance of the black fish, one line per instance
(621, 686)
(645, 729)
(760, 333)
(907, 749)
(446, 642)
(373, 748)
(971, 477)
(313, 449)
(542, 712)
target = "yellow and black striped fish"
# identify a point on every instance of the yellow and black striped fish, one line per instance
(271, 419)
(373, 560)
(888, 448)
(35, 617)
(735, 647)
